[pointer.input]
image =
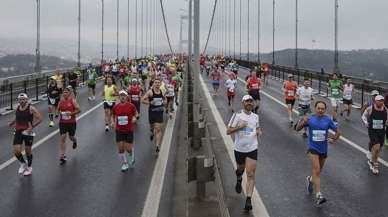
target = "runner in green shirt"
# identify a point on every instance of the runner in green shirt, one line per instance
(335, 94)
(92, 76)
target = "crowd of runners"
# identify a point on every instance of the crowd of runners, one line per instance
(154, 81)
(318, 127)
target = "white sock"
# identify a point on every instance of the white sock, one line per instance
(123, 157)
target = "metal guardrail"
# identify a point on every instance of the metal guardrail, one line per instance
(319, 80)
(33, 84)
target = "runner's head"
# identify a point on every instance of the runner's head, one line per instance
(52, 82)
(320, 108)
(23, 99)
(379, 101)
(334, 76)
(134, 81)
(374, 93)
(109, 80)
(67, 92)
(157, 83)
(348, 81)
(123, 95)
(290, 77)
(306, 82)
(248, 102)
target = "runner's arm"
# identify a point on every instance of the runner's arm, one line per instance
(365, 116)
(37, 116)
(302, 123)
(145, 98)
(77, 108)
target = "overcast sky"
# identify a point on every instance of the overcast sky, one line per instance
(363, 23)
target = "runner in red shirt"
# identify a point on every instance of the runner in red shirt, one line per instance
(216, 79)
(135, 92)
(68, 109)
(124, 116)
(253, 86)
(289, 88)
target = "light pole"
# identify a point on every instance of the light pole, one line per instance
(79, 34)
(190, 39)
(128, 31)
(248, 31)
(258, 31)
(234, 29)
(273, 32)
(117, 30)
(240, 26)
(336, 67)
(296, 34)
(135, 29)
(102, 32)
(37, 49)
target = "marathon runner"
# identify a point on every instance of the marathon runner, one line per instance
(58, 77)
(348, 90)
(156, 101)
(124, 117)
(27, 117)
(73, 81)
(231, 85)
(68, 109)
(375, 119)
(109, 93)
(319, 124)
(53, 97)
(245, 127)
(216, 79)
(176, 80)
(289, 88)
(135, 91)
(253, 86)
(304, 95)
(92, 77)
(170, 95)
(335, 87)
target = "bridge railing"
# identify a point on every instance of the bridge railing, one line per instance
(319, 80)
(35, 85)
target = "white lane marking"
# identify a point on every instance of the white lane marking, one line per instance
(346, 140)
(151, 206)
(49, 136)
(258, 206)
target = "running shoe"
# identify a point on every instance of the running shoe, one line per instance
(369, 156)
(74, 145)
(375, 169)
(309, 185)
(304, 135)
(106, 128)
(62, 159)
(320, 199)
(248, 204)
(386, 142)
(51, 123)
(124, 167)
(28, 171)
(22, 168)
(157, 149)
(152, 136)
(238, 186)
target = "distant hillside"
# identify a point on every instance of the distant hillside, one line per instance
(11, 65)
(372, 64)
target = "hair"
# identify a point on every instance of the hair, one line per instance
(318, 102)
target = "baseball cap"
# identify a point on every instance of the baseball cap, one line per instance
(290, 75)
(123, 92)
(246, 97)
(374, 92)
(379, 97)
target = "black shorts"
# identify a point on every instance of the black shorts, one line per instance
(137, 105)
(290, 102)
(107, 106)
(255, 94)
(155, 116)
(19, 139)
(241, 156)
(314, 152)
(124, 137)
(376, 137)
(347, 101)
(67, 128)
(92, 86)
(170, 99)
(53, 101)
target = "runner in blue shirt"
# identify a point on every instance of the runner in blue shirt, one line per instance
(319, 125)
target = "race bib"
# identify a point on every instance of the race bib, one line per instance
(335, 91)
(255, 86)
(157, 101)
(231, 90)
(377, 124)
(135, 97)
(290, 93)
(65, 115)
(319, 135)
(109, 103)
(122, 120)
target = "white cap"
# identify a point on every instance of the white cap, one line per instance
(123, 92)
(379, 97)
(374, 92)
(246, 97)
(22, 95)
(290, 75)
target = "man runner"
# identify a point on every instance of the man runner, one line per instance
(53, 97)
(109, 93)
(68, 109)
(92, 77)
(375, 119)
(347, 98)
(304, 95)
(319, 124)
(253, 86)
(27, 117)
(124, 116)
(335, 87)
(231, 85)
(289, 88)
(245, 126)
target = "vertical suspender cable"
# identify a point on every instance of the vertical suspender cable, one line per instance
(258, 31)
(211, 26)
(248, 30)
(240, 26)
(165, 27)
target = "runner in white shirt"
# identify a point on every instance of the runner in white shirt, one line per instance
(348, 89)
(231, 85)
(245, 127)
(304, 94)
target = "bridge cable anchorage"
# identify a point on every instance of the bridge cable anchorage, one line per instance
(165, 27)
(211, 26)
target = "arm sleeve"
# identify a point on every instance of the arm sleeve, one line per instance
(365, 116)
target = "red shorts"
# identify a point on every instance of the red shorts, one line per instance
(230, 93)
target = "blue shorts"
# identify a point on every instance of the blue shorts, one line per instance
(216, 83)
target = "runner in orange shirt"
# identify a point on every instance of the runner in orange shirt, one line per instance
(289, 88)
